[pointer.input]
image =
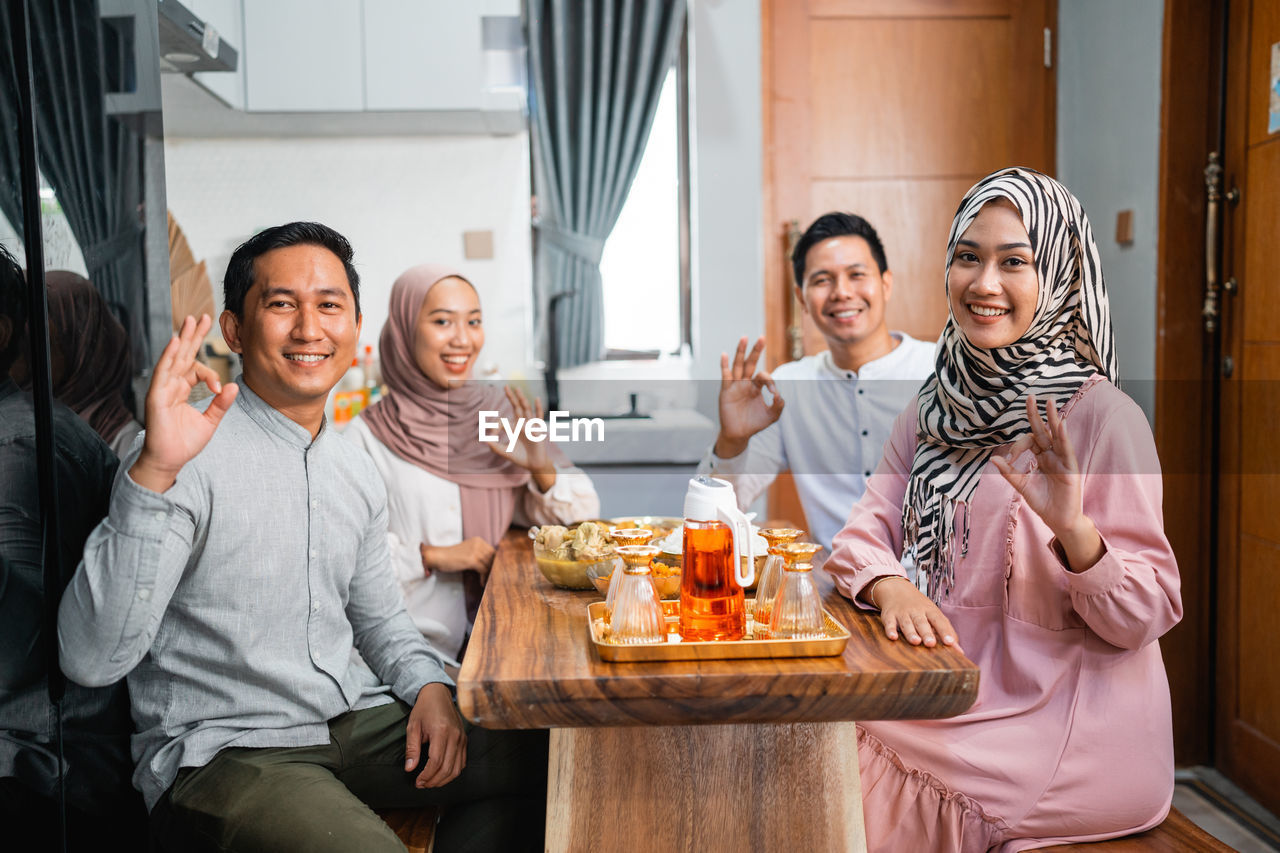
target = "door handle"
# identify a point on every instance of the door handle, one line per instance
(1213, 198)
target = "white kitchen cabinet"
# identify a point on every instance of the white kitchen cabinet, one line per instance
(422, 55)
(303, 56)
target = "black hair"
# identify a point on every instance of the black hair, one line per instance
(13, 305)
(836, 224)
(239, 276)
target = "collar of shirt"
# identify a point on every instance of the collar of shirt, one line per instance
(885, 365)
(273, 420)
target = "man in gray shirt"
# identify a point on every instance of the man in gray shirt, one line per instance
(242, 562)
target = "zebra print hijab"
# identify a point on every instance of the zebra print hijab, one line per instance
(976, 399)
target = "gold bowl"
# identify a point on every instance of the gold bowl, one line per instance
(569, 574)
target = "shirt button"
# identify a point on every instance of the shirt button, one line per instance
(313, 553)
(315, 502)
(144, 595)
(860, 390)
(315, 607)
(866, 473)
(159, 516)
(864, 432)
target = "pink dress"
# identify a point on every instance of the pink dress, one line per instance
(1070, 738)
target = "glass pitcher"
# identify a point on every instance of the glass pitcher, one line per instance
(797, 610)
(623, 536)
(712, 605)
(637, 615)
(771, 572)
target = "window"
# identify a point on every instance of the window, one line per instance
(645, 266)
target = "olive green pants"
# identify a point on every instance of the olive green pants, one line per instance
(319, 798)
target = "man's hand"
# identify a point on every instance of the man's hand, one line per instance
(743, 411)
(434, 724)
(472, 554)
(176, 431)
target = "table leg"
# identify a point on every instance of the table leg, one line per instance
(733, 788)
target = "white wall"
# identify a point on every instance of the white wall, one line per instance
(1109, 68)
(401, 201)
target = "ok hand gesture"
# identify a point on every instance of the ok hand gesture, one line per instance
(528, 454)
(743, 411)
(1052, 488)
(176, 431)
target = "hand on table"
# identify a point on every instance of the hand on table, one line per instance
(472, 554)
(1052, 488)
(743, 411)
(434, 724)
(906, 610)
(177, 431)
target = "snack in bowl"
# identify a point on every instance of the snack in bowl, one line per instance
(564, 554)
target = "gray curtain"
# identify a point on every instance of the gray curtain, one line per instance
(597, 68)
(92, 160)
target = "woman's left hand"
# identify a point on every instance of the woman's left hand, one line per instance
(531, 455)
(1052, 488)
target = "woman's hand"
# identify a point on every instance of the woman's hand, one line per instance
(1052, 488)
(177, 431)
(472, 554)
(528, 454)
(906, 610)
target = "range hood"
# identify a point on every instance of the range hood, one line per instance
(188, 44)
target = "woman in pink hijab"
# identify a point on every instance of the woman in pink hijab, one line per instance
(450, 498)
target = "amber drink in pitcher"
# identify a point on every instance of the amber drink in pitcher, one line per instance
(712, 605)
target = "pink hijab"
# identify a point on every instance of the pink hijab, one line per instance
(437, 428)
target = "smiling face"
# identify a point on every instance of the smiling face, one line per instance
(845, 291)
(449, 333)
(992, 282)
(299, 331)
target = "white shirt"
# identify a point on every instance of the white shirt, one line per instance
(423, 508)
(831, 432)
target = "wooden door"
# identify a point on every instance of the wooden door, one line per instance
(1248, 689)
(891, 109)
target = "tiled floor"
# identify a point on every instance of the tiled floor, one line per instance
(1225, 812)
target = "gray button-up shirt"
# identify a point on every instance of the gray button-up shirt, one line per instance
(234, 600)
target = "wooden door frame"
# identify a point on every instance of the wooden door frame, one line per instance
(1186, 361)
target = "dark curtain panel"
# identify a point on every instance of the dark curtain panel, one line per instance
(597, 70)
(92, 161)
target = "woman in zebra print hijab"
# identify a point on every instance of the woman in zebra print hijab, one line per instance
(994, 375)
(1051, 564)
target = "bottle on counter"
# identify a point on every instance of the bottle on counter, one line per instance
(372, 380)
(348, 397)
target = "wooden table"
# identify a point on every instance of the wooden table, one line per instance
(692, 755)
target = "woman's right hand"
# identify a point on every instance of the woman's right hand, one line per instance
(906, 610)
(472, 554)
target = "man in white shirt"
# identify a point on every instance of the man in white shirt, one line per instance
(831, 432)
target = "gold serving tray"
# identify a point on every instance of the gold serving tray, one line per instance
(837, 636)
